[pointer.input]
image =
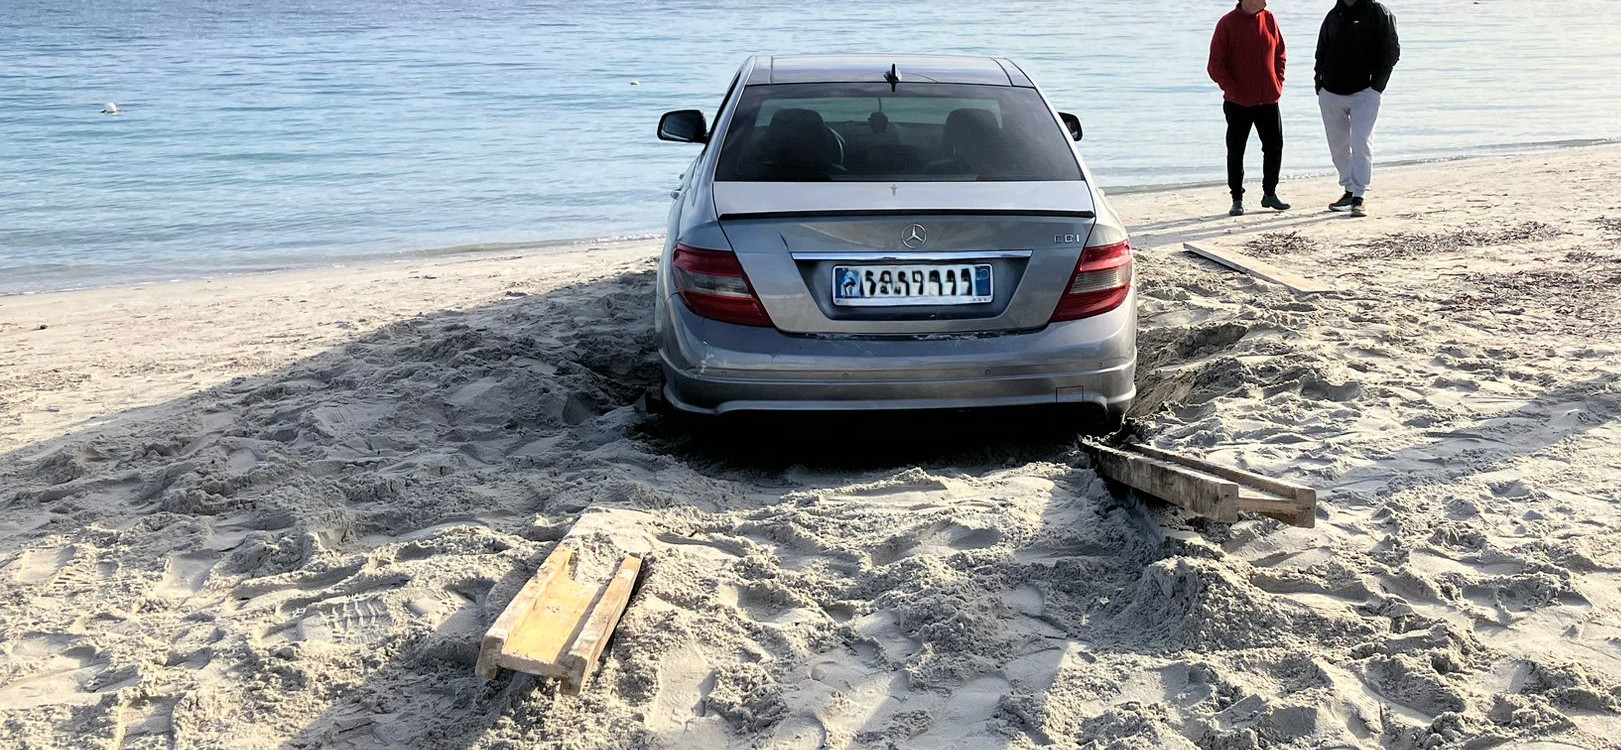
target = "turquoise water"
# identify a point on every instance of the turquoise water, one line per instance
(264, 134)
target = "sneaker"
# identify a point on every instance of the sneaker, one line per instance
(1270, 200)
(1357, 208)
(1343, 204)
(1237, 209)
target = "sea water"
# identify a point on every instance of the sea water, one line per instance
(261, 134)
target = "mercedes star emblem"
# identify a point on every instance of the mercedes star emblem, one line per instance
(914, 236)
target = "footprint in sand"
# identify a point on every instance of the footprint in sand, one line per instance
(905, 483)
(1026, 600)
(55, 669)
(718, 549)
(363, 620)
(447, 611)
(38, 566)
(345, 605)
(240, 462)
(685, 680)
(185, 574)
(882, 642)
(939, 537)
(258, 592)
(143, 720)
(765, 601)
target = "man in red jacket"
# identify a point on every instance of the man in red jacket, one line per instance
(1246, 61)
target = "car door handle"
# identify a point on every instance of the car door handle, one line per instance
(676, 193)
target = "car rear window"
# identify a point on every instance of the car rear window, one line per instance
(920, 132)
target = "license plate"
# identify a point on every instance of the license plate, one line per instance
(894, 285)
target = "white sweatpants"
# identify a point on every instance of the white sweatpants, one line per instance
(1348, 121)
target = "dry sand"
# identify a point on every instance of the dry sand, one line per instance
(278, 511)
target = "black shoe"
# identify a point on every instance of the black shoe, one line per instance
(1343, 204)
(1237, 209)
(1270, 200)
(1357, 209)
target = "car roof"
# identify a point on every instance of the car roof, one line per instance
(985, 71)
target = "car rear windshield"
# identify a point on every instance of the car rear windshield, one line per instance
(920, 132)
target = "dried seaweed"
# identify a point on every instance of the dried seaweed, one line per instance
(1585, 255)
(1416, 244)
(1588, 302)
(1280, 243)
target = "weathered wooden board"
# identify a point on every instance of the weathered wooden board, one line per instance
(1259, 269)
(1207, 489)
(557, 626)
(1200, 493)
(1294, 504)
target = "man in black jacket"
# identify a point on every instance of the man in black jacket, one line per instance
(1356, 51)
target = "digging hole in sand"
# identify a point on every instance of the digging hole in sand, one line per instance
(1183, 364)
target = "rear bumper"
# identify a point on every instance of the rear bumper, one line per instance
(714, 368)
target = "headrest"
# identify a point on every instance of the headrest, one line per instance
(972, 120)
(796, 119)
(798, 146)
(878, 122)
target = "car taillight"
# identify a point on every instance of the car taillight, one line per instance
(713, 285)
(1101, 282)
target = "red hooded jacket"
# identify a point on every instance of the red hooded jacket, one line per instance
(1246, 58)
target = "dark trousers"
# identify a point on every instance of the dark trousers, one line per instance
(1269, 124)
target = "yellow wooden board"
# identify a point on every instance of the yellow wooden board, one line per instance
(538, 643)
(558, 626)
(586, 649)
(555, 567)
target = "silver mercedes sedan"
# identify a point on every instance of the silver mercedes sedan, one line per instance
(901, 232)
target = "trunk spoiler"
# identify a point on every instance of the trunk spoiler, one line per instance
(808, 199)
(903, 212)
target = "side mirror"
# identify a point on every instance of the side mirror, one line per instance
(1073, 123)
(684, 126)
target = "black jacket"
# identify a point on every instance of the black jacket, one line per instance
(1357, 48)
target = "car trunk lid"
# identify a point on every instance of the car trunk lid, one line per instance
(975, 257)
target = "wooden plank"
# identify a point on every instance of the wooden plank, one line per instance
(1291, 503)
(1287, 510)
(538, 643)
(1249, 499)
(495, 638)
(582, 656)
(1298, 492)
(557, 626)
(1199, 492)
(1259, 269)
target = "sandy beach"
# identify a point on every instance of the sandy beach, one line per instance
(279, 511)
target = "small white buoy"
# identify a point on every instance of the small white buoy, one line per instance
(635, 83)
(112, 109)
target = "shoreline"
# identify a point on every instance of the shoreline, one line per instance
(363, 261)
(566, 244)
(1489, 152)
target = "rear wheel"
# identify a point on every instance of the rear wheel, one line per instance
(676, 421)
